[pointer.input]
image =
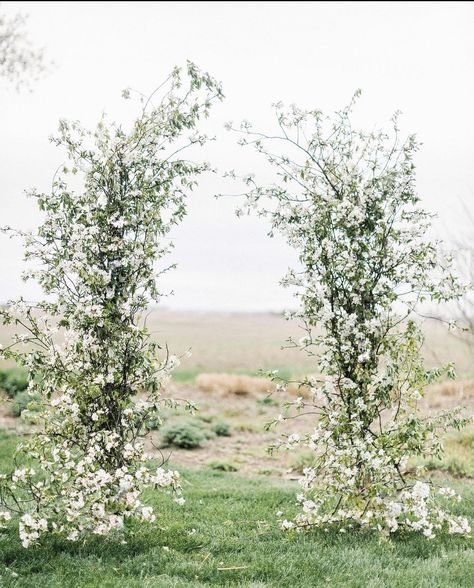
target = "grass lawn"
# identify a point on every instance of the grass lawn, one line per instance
(229, 522)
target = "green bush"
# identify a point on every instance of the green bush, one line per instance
(221, 429)
(185, 434)
(267, 401)
(223, 466)
(21, 401)
(208, 433)
(13, 381)
(457, 467)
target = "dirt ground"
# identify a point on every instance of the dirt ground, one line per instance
(227, 346)
(244, 406)
(246, 415)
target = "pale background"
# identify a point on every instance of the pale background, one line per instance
(417, 57)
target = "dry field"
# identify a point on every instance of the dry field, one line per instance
(249, 342)
(245, 342)
(244, 404)
(220, 377)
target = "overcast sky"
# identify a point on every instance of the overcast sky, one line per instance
(416, 57)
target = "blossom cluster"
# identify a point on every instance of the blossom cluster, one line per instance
(90, 357)
(346, 201)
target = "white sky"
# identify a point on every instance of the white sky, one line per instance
(417, 57)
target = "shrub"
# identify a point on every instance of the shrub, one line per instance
(13, 381)
(154, 423)
(21, 402)
(221, 429)
(266, 471)
(223, 466)
(458, 467)
(184, 434)
(267, 401)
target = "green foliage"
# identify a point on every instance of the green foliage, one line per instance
(186, 375)
(464, 439)
(458, 457)
(221, 429)
(223, 466)
(21, 402)
(459, 468)
(185, 434)
(267, 401)
(454, 466)
(266, 471)
(246, 427)
(13, 381)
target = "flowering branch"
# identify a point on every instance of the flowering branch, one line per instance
(346, 200)
(98, 374)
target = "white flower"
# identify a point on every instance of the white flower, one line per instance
(102, 201)
(73, 535)
(293, 440)
(286, 525)
(147, 514)
(449, 492)
(421, 490)
(304, 341)
(459, 525)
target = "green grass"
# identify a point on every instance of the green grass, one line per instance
(189, 375)
(458, 458)
(235, 527)
(185, 376)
